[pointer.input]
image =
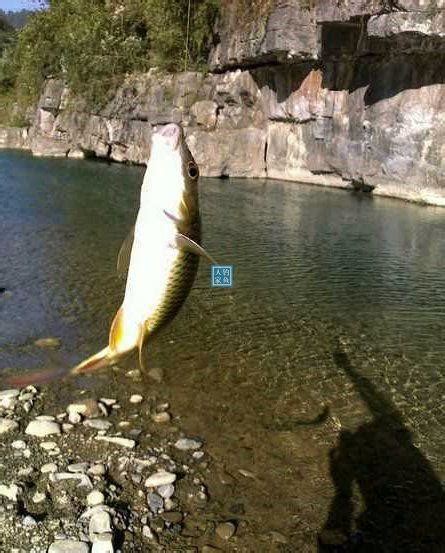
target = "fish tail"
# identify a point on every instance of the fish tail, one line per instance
(100, 360)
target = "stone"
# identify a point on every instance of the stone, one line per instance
(97, 470)
(185, 444)
(42, 428)
(18, 444)
(9, 394)
(173, 517)
(48, 446)
(47, 343)
(39, 497)
(83, 479)
(161, 418)
(100, 522)
(28, 521)
(156, 374)
(98, 424)
(103, 543)
(95, 498)
(11, 491)
(7, 425)
(48, 468)
(205, 113)
(68, 546)
(77, 467)
(124, 442)
(225, 530)
(166, 491)
(155, 502)
(136, 398)
(88, 408)
(160, 478)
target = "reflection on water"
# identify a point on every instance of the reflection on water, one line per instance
(312, 266)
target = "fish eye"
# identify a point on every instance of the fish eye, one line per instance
(192, 170)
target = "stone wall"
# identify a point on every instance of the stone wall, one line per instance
(348, 94)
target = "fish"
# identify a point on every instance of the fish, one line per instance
(161, 253)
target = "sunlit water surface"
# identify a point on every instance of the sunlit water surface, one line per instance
(316, 271)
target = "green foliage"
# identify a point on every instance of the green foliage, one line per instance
(16, 19)
(94, 44)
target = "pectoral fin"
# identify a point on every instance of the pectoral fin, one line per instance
(140, 346)
(123, 258)
(187, 244)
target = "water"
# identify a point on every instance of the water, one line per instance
(336, 318)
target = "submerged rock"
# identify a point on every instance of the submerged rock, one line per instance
(42, 428)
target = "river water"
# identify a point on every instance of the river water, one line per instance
(332, 337)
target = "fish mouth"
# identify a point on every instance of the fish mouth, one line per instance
(170, 134)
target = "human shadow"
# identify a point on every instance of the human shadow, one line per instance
(404, 501)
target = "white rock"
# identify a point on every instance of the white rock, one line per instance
(7, 425)
(124, 442)
(84, 480)
(12, 491)
(161, 417)
(166, 491)
(28, 521)
(161, 478)
(38, 497)
(8, 403)
(48, 446)
(6, 394)
(97, 470)
(98, 424)
(68, 546)
(100, 522)
(77, 467)
(18, 444)
(43, 428)
(45, 418)
(48, 468)
(95, 498)
(136, 398)
(89, 408)
(108, 401)
(185, 444)
(103, 543)
(74, 418)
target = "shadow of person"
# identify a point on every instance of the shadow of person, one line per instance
(404, 501)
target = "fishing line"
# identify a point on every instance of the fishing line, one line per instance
(187, 36)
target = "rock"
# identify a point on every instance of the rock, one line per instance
(173, 517)
(185, 444)
(48, 446)
(47, 343)
(39, 497)
(98, 424)
(88, 408)
(205, 113)
(109, 402)
(18, 444)
(155, 502)
(7, 425)
(83, 479)
(225, 530)
(9, 394)
(100, 523)
(28, 521)
(161, 478)
(124, 442)
(48, 468)
(148, 533)
(68, 546)
(166, 491)
(156, 374)
(42, 428)
(77, 467)
(161, 417)
(103, 543)
(95, 498)
(97, 470)
(136, 398)
(12, 491)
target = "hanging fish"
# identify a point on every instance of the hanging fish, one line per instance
(161, 253)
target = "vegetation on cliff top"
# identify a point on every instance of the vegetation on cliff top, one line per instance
(94, 44)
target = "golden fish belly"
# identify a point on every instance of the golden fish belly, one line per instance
(180, 281)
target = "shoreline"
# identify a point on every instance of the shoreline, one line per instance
(17, 139)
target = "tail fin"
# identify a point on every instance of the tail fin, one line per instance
(100, 360)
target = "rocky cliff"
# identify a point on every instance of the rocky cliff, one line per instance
(348, 94)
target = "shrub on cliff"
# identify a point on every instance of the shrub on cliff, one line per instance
(93, 44)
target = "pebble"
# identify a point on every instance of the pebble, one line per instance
(95, 498)
(47, 343)
(18, 444)
(8, 403)
(161, 478)
(74, 418)
(68, 546)
(161, 417)
(45, 418)
(38, 497)
(67, 427)
(97, 470)
(88, 408)
(98, 424)
(48, 446)
(108, 401)
(155, 502)
(43, 428)
(100, 522)
(103, 543)
(136, 398)
(225, 530)
(11, 492)
(84, 480)
(185, 444)
(124, 442)
(28, 521)
(7, 425)
(8, 394)
(25, 472)
(166, 491)
(48, 468)
(148, 533)
(77, 467)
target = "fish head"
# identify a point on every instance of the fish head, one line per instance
(172, 174)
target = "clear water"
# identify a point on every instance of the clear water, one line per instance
(338, 307)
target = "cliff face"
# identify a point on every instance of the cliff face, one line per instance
(348, 94)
